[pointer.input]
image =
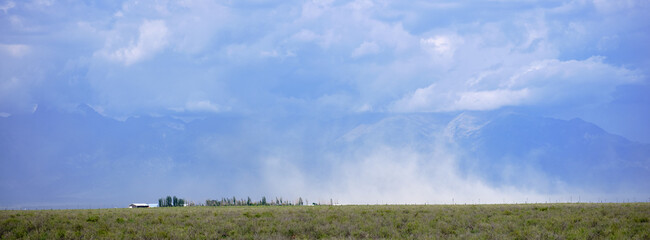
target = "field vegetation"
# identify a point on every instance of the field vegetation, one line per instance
(516, 221)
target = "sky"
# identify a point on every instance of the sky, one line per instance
(290, 69)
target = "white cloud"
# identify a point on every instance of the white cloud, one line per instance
(589, 72)
(538, 83)
(199, 24)
(422, 99)
(202, 106)
(324, 40)
(305, 36)
(441, 5)
(431, 99)
(489, 100)
(571, 82)
(43, 3)
(272, 53)
(366, 48)
(361, 4)
(609, 6)
(472, 58)
(275, 54)
(8, 5)
(152, 38)
(315, 8)
(364, 108)
(15, 50)
(440, 46)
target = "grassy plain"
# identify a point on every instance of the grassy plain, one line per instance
(516, 221)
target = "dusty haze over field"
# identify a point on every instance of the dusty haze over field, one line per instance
(107, 103)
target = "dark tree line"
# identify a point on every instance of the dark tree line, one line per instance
(170, 201)
(248, 202)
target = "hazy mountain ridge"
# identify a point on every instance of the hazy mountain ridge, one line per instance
(574, 151)
(45, 151)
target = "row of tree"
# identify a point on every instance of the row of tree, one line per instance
(248, 202)
(170, 201)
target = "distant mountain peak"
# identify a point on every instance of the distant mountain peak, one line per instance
(87, 110)
(462, 125)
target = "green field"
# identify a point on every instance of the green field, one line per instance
(520, 221)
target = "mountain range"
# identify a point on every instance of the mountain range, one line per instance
(81, 156)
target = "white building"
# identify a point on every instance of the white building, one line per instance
(139, 205)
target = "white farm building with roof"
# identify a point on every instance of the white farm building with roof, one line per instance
(138, 205)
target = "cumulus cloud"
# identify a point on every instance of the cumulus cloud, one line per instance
(591, 72)
(385, 54)
(545, 82)
(432, 99)
(441, 46)
(366, 48)
(152, 38)
(489, 100)
(415, 53)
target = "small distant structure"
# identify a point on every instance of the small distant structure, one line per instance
(138, 205)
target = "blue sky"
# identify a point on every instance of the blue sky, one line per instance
(288, 60)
